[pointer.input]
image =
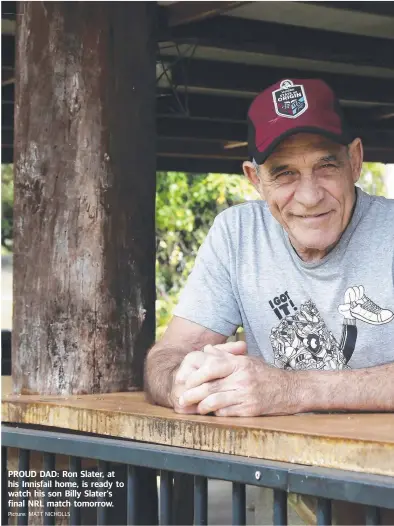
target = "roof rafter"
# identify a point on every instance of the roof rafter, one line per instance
(234, 109)
(382, 135)
(375, 8)
(276, 39)
(200, 165)
(181, 13)
(241, 79)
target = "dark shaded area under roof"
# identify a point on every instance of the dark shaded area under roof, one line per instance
(213, 57)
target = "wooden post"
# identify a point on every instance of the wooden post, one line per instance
(84, 263)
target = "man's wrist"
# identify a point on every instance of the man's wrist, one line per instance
(302, 391)
(366, 389)
(308, 394)
(296, 391)
(171, 383)
(322, 390)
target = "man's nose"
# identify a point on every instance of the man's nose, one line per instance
(309, 192)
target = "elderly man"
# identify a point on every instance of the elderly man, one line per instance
(307, 272)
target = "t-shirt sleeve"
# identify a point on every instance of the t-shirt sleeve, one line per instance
(208, 297)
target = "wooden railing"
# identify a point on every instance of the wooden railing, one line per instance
(336, 457)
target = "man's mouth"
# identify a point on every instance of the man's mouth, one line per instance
(314, 217)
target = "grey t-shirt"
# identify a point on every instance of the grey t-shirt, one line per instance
(332, 314)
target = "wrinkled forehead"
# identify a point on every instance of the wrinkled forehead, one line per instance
(302, 146)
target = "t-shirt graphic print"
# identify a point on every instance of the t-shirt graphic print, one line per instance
(303, 341)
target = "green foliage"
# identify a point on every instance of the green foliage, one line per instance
(372, 179)
(186, 206)
(7, 202)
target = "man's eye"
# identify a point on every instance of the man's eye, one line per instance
(328, 165)
(288, 172)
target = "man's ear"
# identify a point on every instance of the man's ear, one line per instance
(356, 156)
(250, 172)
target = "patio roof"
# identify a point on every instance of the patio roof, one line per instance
(214, 57)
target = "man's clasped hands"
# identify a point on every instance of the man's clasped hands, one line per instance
(223, 380)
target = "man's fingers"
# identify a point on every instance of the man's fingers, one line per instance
(217, 401)
(190, 363)
(232, 347)
(231, 410)
(197, 394)
(212, 369)
(188, 410)
(196, 359)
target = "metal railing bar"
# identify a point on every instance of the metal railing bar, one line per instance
(183, 498)
(75, 512)
(165, 513)
(132, 499)
(372, 516)
(239, 504)
(102, 467)
(23, 465)
(363, 488)
(323, 512)
(280, 508)
(4, 484)
(49, 463)
(182, 460)
(200, 500)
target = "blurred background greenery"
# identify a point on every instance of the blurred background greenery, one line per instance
(186, 206)
(7, 203)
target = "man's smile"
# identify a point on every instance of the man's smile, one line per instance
(314, 218)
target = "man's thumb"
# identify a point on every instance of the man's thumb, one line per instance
(232, 347)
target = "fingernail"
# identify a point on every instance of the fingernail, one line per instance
(181, 401)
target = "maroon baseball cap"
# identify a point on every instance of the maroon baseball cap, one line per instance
(292, 106)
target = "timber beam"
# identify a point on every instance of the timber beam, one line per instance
(374, 8)
(183, 148)
(207, 138)
(234, 166)
(279, 40)
(7, 76)
(199, 129)
(198, 165)
(227, 109)
(181, 13)
(168, 147)
(236, 131)
(201, 158)
(235, 109)
(223, 77)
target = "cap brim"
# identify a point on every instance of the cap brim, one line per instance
(261, 157)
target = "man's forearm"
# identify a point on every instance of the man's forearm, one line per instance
(370, 389)
(160, 366)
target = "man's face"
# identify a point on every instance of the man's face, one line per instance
(308, 183)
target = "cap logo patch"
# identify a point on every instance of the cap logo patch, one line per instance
(290, 100)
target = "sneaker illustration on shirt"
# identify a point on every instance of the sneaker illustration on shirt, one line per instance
(364, 309)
